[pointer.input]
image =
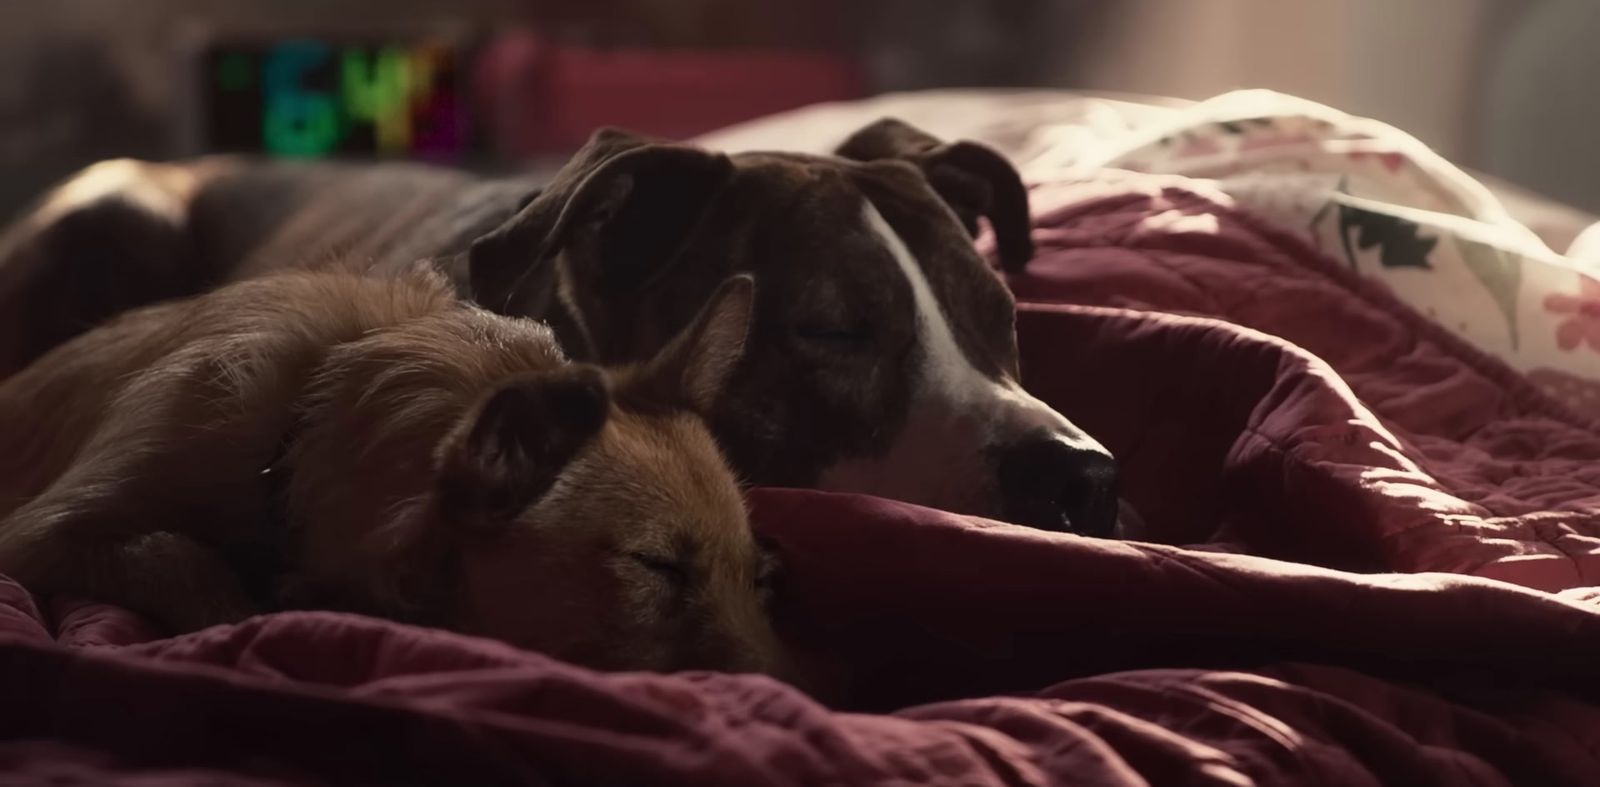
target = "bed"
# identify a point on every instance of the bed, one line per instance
(1370, 555)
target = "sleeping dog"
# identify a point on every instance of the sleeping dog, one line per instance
(331, 439)
(882, 352)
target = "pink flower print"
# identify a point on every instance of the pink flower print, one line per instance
(1583, 327)
(1390, 161)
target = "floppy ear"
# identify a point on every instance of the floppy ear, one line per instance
(693, 369)
(972, 179)
(510, 450)
(621, 208)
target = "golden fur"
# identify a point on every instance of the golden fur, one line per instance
(327, 439)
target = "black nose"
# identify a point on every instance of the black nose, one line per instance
(1049, 483)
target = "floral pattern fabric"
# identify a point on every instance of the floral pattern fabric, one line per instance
(1394, 211)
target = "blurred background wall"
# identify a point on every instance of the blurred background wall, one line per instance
(1499, 85)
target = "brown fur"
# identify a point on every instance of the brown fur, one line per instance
(428, 461)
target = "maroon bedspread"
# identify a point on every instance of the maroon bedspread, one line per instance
(916, 612)
(1341, 431)
(1353, 433)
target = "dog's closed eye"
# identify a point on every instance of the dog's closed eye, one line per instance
(664, 567)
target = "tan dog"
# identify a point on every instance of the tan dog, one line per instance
(377, 445)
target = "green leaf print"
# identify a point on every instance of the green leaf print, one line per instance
(1399, 241)
(1239, 126)
(1500, 272)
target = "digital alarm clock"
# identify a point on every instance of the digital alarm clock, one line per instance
(469, 97)
(307, 97)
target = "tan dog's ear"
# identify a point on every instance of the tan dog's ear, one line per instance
(509, 451)
(621, 209)
(972, 179)
(693, 368)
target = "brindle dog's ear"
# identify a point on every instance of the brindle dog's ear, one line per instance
(972, 179)
(509, 452)
(693, 369)
(622, 208)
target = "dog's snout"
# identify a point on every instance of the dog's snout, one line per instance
(1050, 483)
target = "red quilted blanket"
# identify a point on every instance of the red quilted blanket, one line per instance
(1345, 429)
(1336, 430)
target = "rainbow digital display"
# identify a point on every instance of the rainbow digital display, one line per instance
(310, 98)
